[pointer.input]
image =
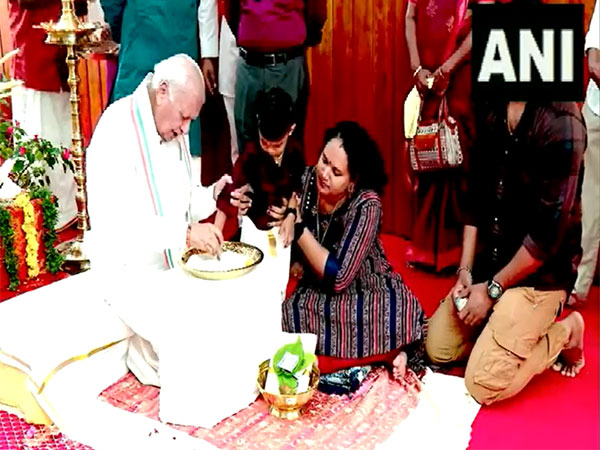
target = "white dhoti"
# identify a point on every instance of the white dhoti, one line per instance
(276, 256)
(201, 340)
(48, 114)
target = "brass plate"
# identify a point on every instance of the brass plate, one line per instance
(254, 254)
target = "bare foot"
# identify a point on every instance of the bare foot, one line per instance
(570, 361)
(575, 301)
(399, 365)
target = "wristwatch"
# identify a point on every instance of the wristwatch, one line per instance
(495, 290)
(289, 211)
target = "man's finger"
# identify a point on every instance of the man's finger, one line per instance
(469, 319)
(218, 233)
(463, 313)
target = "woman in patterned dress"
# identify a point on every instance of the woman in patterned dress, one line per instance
(349, 295)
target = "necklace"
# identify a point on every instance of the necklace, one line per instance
(278, 159)
(320, 238)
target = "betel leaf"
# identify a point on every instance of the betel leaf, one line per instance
(288, 381)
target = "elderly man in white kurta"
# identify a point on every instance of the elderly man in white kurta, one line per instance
(144, 192)
(144, 198)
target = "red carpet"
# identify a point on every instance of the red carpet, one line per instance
(552, 412)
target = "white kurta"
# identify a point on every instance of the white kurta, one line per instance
(195, 328)
(128, 239)
(119, 198)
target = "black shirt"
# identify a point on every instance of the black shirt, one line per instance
(525, 190)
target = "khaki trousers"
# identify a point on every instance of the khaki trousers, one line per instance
(519, 340)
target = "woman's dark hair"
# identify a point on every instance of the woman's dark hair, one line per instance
(365, 163)
(275, 113)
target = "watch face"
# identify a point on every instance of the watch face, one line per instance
(494, 291)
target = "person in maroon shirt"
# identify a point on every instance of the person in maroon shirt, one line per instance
(272, 165)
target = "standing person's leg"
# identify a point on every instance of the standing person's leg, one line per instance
(290, 77)
(448, 338)
(590, 208)
(302, 104)
(248, 84)
(519, 341)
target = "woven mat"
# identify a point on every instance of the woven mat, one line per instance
(360, 421)
(16, 434)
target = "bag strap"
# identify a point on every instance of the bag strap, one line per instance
(443, 110)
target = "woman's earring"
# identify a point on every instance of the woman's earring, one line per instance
(351, 188)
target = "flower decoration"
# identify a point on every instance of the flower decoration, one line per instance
(32, 156)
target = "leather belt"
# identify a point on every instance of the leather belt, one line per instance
(270, 59)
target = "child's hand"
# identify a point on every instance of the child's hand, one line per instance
(286, 230)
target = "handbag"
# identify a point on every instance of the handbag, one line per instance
(436, 145)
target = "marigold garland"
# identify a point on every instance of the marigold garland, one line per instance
(31, 250)
(49, 213)
(10, 259)
(54, 259)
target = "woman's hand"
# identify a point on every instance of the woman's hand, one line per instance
(286, 230)
(441, 80)
(421, 81)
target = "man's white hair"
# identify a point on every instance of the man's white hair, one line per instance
(175, 71)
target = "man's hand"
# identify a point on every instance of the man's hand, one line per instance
(478, 306)
(220, 185)
(286, 230)
(241, 200)
(209, 70)
(206, 237)
(277, 213)
(594, 65)
(421, 81)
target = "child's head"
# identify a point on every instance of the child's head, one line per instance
(275, 113)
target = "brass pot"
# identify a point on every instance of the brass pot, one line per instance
(286, 406)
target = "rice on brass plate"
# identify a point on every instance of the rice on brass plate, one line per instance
(253, 257)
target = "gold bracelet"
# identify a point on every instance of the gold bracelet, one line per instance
(467, 268)
(417, 71)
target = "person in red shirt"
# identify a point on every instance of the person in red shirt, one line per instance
(41, 105)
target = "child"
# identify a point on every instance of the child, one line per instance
(273, 166)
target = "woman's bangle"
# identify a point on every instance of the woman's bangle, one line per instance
(467, 268)
(417, 70)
